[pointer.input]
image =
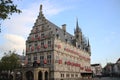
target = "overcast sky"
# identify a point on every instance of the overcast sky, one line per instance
(98, 19)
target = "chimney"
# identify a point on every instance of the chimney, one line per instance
(64, 27)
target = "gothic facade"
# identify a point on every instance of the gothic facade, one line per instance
(66, 56)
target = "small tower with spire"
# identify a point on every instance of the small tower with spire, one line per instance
(78, 33)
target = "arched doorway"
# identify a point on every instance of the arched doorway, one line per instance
(46, 75)
(40, 75)
(11, 77)
(29, 75)
(18, 75)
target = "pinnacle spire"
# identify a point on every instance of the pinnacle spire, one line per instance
(88, 43)
(41, 8)
(77, 26)
(88, 46)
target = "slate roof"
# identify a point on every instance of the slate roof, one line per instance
(118, 60)
(63, 36)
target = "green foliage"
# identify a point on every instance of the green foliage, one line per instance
(10, 61)
(7, 7)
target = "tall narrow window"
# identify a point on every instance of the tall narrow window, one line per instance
(35, 57)
(42, 28)
(36, 36)
(49, 59)
(57, 35)
(30, 46)
(41, 59)
(49, 43)
(66, 40)
(29, 58)
(42, 35)
(36, 46)
(42, 44)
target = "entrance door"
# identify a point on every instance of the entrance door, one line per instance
(40, 75)
(46, 75)
(29, 75)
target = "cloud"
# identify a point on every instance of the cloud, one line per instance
(22, 23)
(51, 9)
(13, 42)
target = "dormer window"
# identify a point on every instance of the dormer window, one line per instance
(57, 35)
(56, 30)
(51, 32)
(64, 34)
(66, 40)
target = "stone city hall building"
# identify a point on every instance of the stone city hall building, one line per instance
(54, 54)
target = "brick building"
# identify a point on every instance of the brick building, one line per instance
(96, 69)
(112, 69)
(66, 56)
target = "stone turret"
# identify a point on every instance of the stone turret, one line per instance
(78, 34)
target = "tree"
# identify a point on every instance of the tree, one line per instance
(10, 61)
(7, 7)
